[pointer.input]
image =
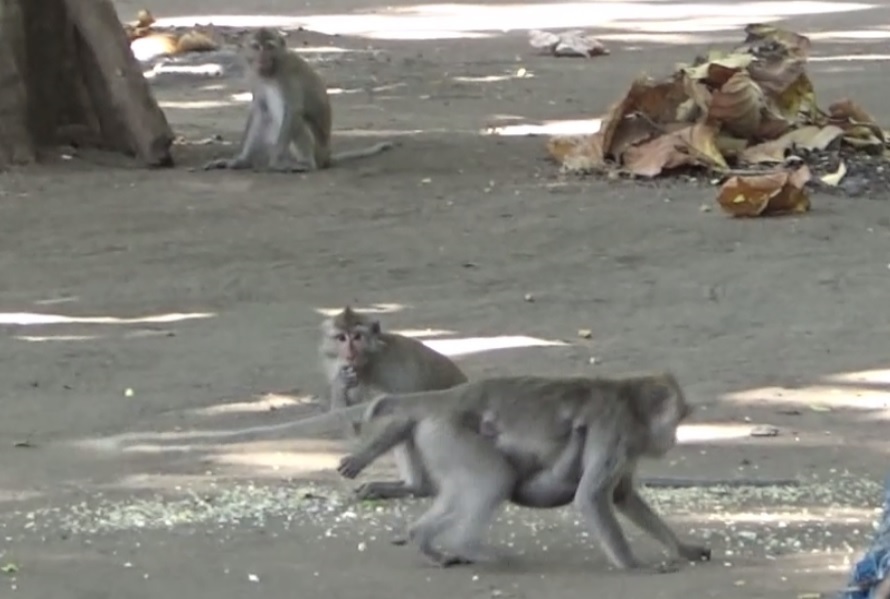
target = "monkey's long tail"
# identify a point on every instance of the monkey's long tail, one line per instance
(362, 153)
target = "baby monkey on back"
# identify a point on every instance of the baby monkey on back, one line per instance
(289, 121)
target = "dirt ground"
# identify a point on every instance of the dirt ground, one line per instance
(136, 300)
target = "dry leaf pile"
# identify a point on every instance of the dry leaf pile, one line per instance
(737, 114)
(171, 43)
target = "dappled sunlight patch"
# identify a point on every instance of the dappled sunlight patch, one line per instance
(44, 338)
(193, 104)
(266, 403)
(419, 333)
(371, 309)
(552, 127)
(818, 398)
(455, 21)
(476, 345)
(851, 58)
(33, 318)
(877, 376)
(710, 433)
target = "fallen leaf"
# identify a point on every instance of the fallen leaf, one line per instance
(577, 152)
(796, 100)
(195, 41)
(9, 568)
(774, 193)
(738, 105)
(834, 179)
(729, 146)
(632, 130)
(691, 145)
(718, 70)
(585, 333)
(847, 109)
(657, 101)
(144, 18)
(807, 138)
(758, 33)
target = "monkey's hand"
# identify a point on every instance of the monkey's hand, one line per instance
(351, 466)
(349, 377)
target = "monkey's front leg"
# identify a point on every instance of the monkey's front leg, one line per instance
(293, 130)
(249, 141)
(387, 433)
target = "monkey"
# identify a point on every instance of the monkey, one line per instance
(361, 361)
(290, 113)
(627, 419)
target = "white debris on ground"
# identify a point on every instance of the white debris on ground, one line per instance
(568, 43)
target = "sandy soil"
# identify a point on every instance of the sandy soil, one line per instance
(763, 321)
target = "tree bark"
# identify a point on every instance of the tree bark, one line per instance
(67, 74)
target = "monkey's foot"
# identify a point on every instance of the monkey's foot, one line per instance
(350, 467)
(399, 539)
(386, 490)
(695, 553)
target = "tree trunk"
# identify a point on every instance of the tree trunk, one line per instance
(67, 75)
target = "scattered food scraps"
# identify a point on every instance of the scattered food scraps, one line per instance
(569, 43)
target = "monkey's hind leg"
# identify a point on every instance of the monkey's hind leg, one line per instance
(302, 139)
(555, 486)
(470, 469)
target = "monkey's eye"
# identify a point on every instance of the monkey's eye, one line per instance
(357, 336)
(341, 337)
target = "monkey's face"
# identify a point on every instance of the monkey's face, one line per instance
(264, 52)
(355, 345)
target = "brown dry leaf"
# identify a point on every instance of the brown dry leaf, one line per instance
(699, 99)
(631, 131)
(848, 110)
(657, 101)
(572, 151)
(808, 138)
(691, 145)
(860, 129)
(797, 99)
(195, 41)
(718, 69)
(144, 18)
(738, 106)
(759, 33)
(729, 146)
(162, 43)
(781, 192)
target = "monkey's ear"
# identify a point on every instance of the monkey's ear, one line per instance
(375, 327)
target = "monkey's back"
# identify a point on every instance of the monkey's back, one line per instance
(419, 367)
